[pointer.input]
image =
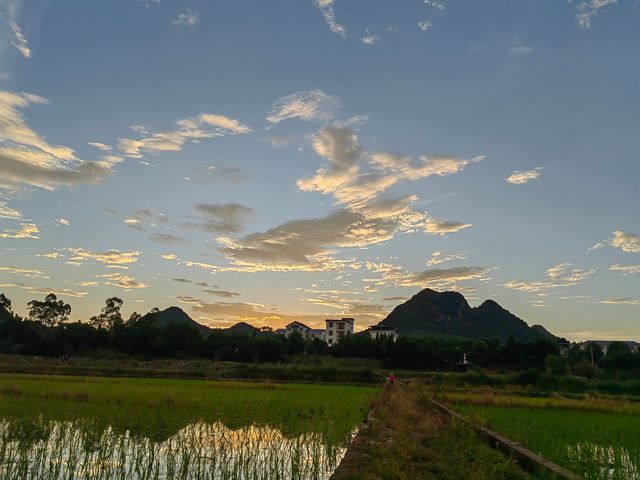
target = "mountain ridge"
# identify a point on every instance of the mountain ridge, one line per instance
(448, 314)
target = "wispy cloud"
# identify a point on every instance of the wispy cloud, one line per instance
(110, 257)
(65, 292)
(588, 10)
(520, 177)
(352, 185)
(627, 242)
(625, 269)
(223, 173)
(121, 280)
(167, 238)
(189, 18)
(326, 7)
(521, 49)
(433, 278)
(142, 218)
(7, 212)
(25, 230)
(435, 4)
(221, 217)
(26, 158)
(558, 276)
(305, 105)
(19, 41)
(24, 272)
(439, 257)
(370, 38)
(305, 244)
(222, 293)
(424, 25)
(205, 125)
(621, 301)
(442, 227)
(101, 146)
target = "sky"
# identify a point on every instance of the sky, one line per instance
(309, 159)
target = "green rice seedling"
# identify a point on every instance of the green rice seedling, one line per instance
(90, 428)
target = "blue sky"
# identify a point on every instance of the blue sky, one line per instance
(269, 161)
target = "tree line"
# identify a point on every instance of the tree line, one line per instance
(47, 331)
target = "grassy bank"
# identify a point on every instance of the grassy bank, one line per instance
(409, 440)
(300, 369)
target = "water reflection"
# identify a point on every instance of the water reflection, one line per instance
(48, 449)
(604, 462)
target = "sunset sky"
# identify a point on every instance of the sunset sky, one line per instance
(307, 159)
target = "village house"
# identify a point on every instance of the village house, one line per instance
(383, 331)
(304, 330)
(337, 329)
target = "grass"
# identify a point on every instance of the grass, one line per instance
(410, 440)
(596, 437)
(308, 368)
(167, 404)
(89, 427)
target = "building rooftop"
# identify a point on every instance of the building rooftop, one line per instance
(297, 323)
(348, 320)
(382, 328)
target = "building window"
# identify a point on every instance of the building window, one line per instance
(330, 324)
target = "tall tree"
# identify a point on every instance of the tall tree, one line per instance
(5, 308)
(51, 312)
(110, 317)
(5, 302)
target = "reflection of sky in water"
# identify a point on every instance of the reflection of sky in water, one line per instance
(600, 462)
(55, 450)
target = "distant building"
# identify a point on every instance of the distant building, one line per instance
(383, 331)
(634, 347)
(336, 330)
(299, 327)
(304, 330)
(318, 333)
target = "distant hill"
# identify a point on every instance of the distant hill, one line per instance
(175, 315)
(448, 315)
(242, 328)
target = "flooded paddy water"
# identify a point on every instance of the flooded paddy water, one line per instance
(63, 429)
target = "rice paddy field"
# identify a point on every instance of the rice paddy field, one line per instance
(595, 437)
(106, 428)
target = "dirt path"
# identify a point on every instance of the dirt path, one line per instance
(407, 438)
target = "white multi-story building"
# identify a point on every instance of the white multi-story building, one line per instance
(337, 329)
(383, 331)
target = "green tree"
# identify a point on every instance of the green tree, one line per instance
(110, 317)
(5, 303)
(51, 312)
